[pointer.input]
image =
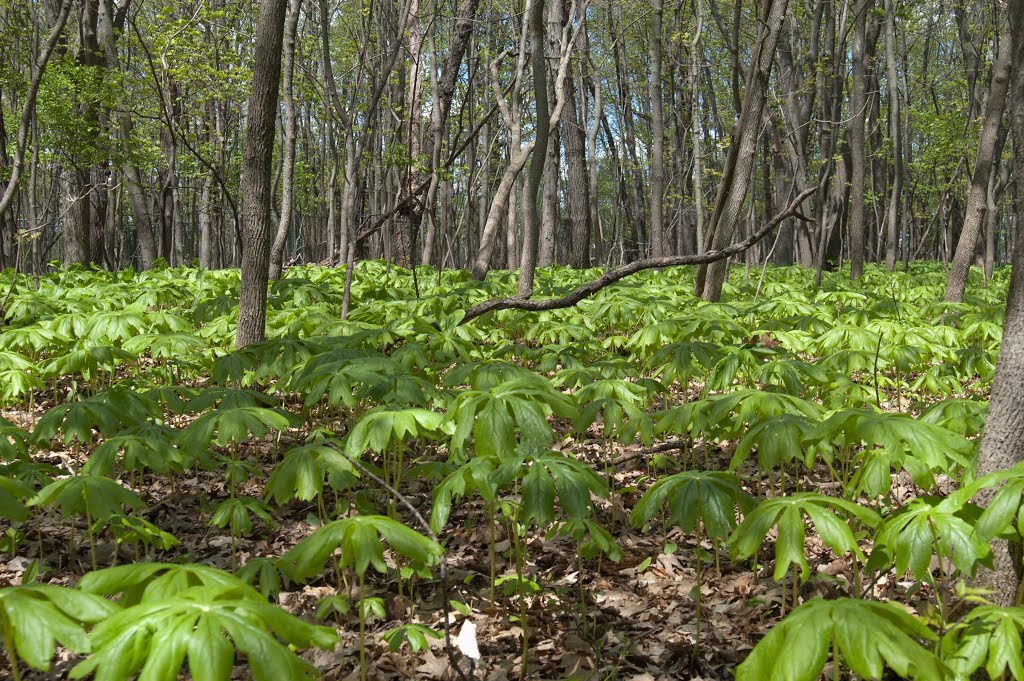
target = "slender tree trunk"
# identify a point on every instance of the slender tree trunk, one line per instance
(977, 200)
(257, 166)
(657, 226)
(858, 106)
(28, 108)
(549, 215)
(696, 131)
(288, 161)
(739, 164)
(896, 137)
(132, 174)
(406, 223)
(531, 221)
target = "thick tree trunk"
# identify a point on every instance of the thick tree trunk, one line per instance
(257, 163)
(577, 186)
(76, 216)
(977, 198)
(1002, 443)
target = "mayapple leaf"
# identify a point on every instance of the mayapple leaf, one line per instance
(95, 495)
(359, 539)
(202, 625)
(301, 471)
(385, 427)
(225, 426)
(987, 637)
(711, 497)
(927, 526)
(787, 513)
(41, 615)
(13, 494)
(868, 635)
(140, 582)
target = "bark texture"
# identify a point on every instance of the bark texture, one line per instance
(739, 164)
(1002, 444)
(257, 164)
(988, 143)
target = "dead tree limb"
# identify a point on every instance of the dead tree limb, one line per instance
(608, 278)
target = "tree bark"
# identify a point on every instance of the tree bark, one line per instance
(132, 174)
(288, 162)
(531, 221)
(892, 218)
(28, 109)
(657, 225)
(977, 199)
(257, 163)
(739, 164)
(1002, 443)
(858, 105)
(577, 186)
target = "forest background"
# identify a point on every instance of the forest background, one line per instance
(404, 130)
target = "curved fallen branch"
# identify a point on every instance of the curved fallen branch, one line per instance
(608, 278)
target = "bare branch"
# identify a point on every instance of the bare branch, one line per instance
(615, 275)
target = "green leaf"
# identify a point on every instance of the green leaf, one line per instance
(787, 512)
(158, 634)
(709, 496)
(538, 496)
(357, 537)
(41, 615)
(868, 635)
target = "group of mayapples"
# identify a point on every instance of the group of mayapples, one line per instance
(132, 375)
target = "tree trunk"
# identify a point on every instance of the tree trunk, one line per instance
(1002, 443)
(657, 226)
(288, 162)
(858, 104)
(696, 61)
(739, 164)
(977, 200)
(257, 164)
(577, 186)
(896, 139)
(132, 174)
(531, 221)
(28, 109)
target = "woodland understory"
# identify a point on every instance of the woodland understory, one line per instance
(399, 340)
(642, 486)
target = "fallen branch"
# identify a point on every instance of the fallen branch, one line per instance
(608, 278)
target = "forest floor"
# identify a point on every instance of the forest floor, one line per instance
(842, 410)
(635, 620)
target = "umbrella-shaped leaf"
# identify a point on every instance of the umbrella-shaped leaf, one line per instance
(155, 638)
(96, 495)
(709, 496)
(868, 635)
(359, 539)
(41, 615)
(787, 513)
